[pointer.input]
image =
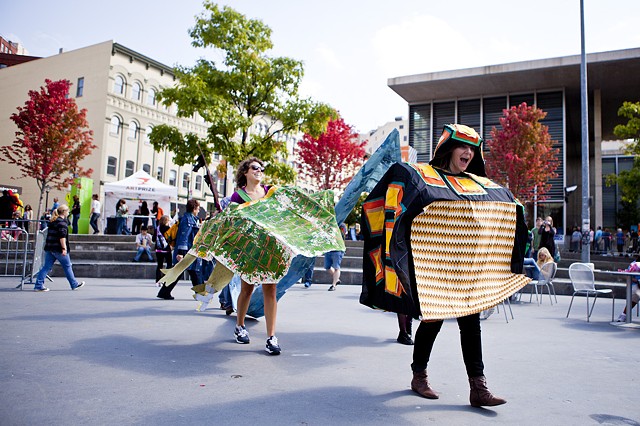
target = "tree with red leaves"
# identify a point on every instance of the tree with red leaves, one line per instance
(52, 138)
(331, 160)
(521, 156)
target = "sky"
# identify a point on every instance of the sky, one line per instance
(350, 48)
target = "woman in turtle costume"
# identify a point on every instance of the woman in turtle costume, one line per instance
(443, 241)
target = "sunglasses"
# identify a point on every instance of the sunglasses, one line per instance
(257, 168)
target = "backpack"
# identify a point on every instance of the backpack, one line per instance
(171, 235)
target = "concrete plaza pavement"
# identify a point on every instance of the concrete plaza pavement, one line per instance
(111, 353)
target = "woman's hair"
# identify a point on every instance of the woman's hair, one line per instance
(442, 156)
(95, 196)
(243, 168)
(62, 208)
(549, 219)
(547, 256)
(164, 220)
(191, 205)
(28, 207)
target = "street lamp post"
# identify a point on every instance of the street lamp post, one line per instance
(586, 226)
(47, 188)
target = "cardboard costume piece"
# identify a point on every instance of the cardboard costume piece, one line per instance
(439, 245)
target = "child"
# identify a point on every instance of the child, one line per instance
(143, 244)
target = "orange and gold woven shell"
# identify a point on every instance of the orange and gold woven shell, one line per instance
(462, 257)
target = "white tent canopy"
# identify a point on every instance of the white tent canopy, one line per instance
(136, 188)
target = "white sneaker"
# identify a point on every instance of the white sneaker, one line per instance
(622, 318)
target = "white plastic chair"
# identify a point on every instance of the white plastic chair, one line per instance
(583, 282)
(547, 274)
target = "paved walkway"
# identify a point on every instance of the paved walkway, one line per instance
(111, 353)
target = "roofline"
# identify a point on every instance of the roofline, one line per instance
(614, 55)
(117, 47)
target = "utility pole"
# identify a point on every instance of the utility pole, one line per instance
(584, 98)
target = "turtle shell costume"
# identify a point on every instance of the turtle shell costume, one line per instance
(439, 245)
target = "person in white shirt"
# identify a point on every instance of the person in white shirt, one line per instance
(143, 244)
(95, 214)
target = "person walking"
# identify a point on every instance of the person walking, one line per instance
(187, 230)
(163, 249)
(75, 214)
(121, 217)
(332, 262)
(95, 213)
(27, 217)
(56, 247)
(248, 180)
(157, 213)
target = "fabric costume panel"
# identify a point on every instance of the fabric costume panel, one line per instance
(259, 239)
(439, 245)
(367, 177)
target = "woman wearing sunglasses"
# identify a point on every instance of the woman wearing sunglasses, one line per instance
(248, 180)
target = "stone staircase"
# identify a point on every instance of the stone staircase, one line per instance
(109, 256)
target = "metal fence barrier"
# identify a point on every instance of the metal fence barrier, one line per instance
(21, 251)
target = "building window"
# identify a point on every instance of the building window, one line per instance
(160, 173)
(173, 176)
(147, 133)
(198, 183)
(118, 85)
(185, 180)
(112, 165)
(221, 187)
(146, 168)
(151, 97)
(115, 125)
(133, 131)
(129, 167)
(136, 91)
(80, 87)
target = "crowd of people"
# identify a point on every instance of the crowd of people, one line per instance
(171, 239)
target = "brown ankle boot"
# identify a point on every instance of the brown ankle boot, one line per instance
(420, 385)
(481, 396)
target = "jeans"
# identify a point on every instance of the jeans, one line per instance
(121, 225)
(143, 250)
(533, 271)
(49, 259)
(470, 340)
(94, 222)
(308, 276)
(74, 226)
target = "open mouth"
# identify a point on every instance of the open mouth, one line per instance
(464, 160)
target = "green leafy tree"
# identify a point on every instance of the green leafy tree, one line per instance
(244, 87)
(53, 137)
(628, 180)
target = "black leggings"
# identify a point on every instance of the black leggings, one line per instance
(162, 258)
(166, 290)
(470, 340)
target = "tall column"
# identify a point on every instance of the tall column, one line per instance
(597, 158)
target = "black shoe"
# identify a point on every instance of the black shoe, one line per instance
(165, 297)
(404, 338)
(332, 288)
(80, 284)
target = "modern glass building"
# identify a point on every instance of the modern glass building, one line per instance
(477, 97)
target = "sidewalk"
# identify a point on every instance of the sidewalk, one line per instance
(111, 353)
